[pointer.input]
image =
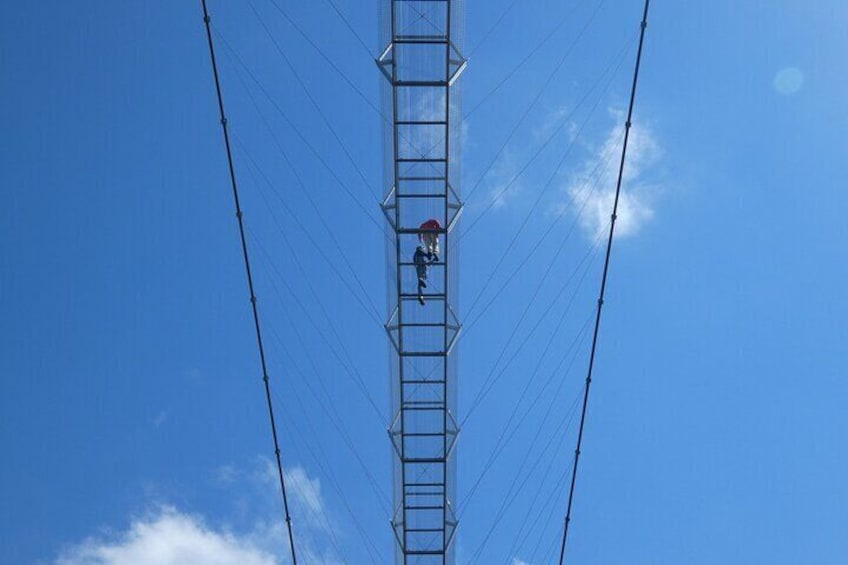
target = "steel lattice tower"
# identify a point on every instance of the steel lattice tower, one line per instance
(422, 60)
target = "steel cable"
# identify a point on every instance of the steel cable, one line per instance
(253, 302)
(604, 276)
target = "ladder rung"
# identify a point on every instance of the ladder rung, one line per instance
(424, 507)
(421, 160)
(421, 122)
(423, 382)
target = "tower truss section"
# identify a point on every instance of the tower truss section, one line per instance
(422, 60)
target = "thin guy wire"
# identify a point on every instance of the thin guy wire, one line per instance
(520, 64)
(483, 391)
(373, 315)
(527, 256)
(315, 104)
(516, 488)
(536, 98)
(515, 545)
(501, 444)
(541, 194)
(350, 28)
(239, 215)
(616, 62)
(330, 62)
(351, 371)
(297, 131)
(613, 216)
(307, 193)
(334, 419)
(509, 77)
(324, 465)
(492, 379)
(492, 28)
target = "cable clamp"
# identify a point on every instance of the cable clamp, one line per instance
(627, 124)
(206, 19)
(224, 122)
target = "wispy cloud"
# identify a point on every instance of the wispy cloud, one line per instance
(160, 419)
(552, 122)
(167, 535)
(502, 184)
(305, 492)
(226, 474)
(592, 189)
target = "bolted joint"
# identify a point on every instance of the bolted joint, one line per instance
(613, 217)
(238, 214)
(253, 299)
(644, 24)
(627, 124)
(224, 122)
(206, 19)
(600, 301)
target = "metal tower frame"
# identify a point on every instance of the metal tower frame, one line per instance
(421, 62)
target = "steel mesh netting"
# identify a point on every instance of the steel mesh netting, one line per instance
(421, 181)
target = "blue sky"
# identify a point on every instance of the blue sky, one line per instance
(132, 414)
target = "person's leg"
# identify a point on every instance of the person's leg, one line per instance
(421, 271)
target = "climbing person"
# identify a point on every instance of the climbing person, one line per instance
(422, 260)
(429, 237)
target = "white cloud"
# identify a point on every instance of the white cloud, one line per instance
(517, 561)
(160, 419)
(226, 474)
(592, 189)
(502, 183)
(304, 492)
(788, 80)
(552, 122)
(169, 536)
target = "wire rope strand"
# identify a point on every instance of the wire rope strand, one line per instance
(351, 28)
(315, 152)
(604, 276)
(311, 98)
(254, 307)
(492, 28)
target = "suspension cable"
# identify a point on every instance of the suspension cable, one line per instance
(239, 215)
(613, 217)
